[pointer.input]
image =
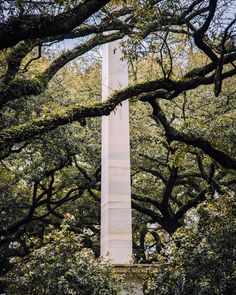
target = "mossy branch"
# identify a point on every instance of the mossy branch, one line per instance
(27, 131)
(33, 26)
(26, 87)
(191, 139)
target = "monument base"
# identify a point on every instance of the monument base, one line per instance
(134, 276)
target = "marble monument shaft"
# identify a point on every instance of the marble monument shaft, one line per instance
(116, 231)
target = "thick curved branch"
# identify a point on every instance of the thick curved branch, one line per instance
(200, 33)
(22, 87)
(34, 26)
(167, 88)
(175, 135)
(75, 113)
(15, 58)
(111, 23)
(81, 49)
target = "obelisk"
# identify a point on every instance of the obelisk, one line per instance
(116, 229)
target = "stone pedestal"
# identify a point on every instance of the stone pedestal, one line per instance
(134, 276)
(116, 232)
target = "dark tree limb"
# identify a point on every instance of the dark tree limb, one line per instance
(23, 87)
(15, 58)
(169, 187)
(33, 26)
(200, 33)
(175, 135)
(219, 69)
(146, 199)
(81, 49)
(27, 131)
(192, 203)
(154, 216)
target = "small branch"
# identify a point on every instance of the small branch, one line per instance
(33, 59)
(146, 199)
(219, 69)
(155, 217)
(169, 187)
(190, 204)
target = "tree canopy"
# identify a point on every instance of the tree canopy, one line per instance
(194, 21)
(181, 57)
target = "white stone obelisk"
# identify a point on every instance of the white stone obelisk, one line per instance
(116, 229)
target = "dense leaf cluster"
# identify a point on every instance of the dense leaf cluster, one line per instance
(200, 258)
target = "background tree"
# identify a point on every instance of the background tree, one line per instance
(200, 259)
(61, 265)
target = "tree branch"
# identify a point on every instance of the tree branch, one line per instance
(200, 33)
(169, 187)
(40, 126)
(190, 204)
(22, 87)
(33, 26)
(172, 134)
(15, 57)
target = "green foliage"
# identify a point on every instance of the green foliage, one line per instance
(59, 171)
(61, 267)
(200, 258)
(66, 157)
